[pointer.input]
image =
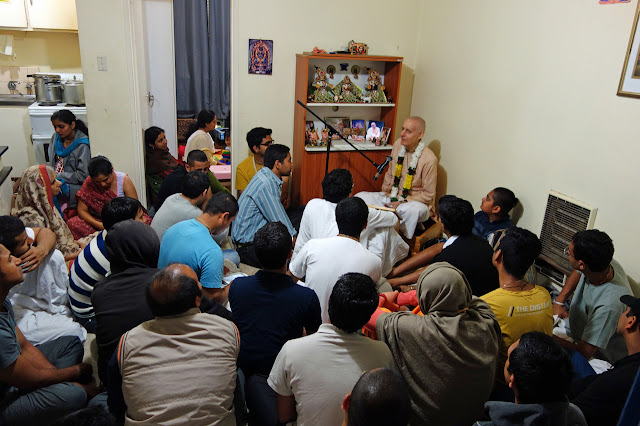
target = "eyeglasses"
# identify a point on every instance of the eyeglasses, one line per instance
(566, 251)
(267, 143)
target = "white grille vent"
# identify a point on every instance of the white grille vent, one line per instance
(563, 217)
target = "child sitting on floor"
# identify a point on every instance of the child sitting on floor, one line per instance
(494, 213)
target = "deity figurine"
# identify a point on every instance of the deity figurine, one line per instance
(325, 136)
(375, 89)
(323, 91)
(312, 137)
(347, 92)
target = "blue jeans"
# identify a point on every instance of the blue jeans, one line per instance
(44, 405)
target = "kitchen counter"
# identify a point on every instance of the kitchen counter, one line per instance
(17, 100)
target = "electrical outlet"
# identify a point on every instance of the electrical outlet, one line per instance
(102, 63)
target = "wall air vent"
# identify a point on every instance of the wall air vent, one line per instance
(563, 217)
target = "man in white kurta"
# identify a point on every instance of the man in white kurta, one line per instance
(379, 237)
(417, 205)
(322, 261)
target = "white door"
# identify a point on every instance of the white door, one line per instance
(156, 69)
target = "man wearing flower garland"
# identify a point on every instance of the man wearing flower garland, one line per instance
(410, 183)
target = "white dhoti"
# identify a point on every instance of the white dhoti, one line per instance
(381, 239)
(411, 213)
(40, 302)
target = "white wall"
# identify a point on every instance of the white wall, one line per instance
(105, 28)
(523, 94)
(296, 27)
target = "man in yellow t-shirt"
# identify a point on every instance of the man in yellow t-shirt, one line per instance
(258, 139)
(519, 306)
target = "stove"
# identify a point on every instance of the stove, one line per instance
(42, 130)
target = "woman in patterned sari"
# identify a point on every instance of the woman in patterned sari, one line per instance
(35, 206)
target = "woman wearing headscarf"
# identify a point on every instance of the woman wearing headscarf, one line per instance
(35, 206)
(119, 301)
(448, 355)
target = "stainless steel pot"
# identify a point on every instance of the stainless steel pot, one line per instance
(73, 92)
(48, 88)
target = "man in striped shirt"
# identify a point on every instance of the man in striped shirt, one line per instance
(260, 202)
(92, 264)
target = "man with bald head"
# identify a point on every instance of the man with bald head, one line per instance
(410, 183)
(192, 354)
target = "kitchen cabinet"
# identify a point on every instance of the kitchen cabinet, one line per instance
(36, 15)
(53, 15)
(309, 161)
(13, 14)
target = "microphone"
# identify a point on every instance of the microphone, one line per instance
(381, 167)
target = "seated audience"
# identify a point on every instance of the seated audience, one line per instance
(69, 151)
(197, 161)
(448, 356)
(35, 206)
(179, 368)
(538, 371)
(467, 252)
(518, 305)
(311, 375)
(380, 396)
(119, 301)
(410, 182)
(102, 185)
(198, 136)
(258, 139)
(494, 213)
(184, 206)
(40, 302)
(319, 221)
(260, 202)
(602, 397)
(38, 384)
(159, 161)
(597, 283)
(269, 309)
(189, 242)
(92, 265)
(322, 261)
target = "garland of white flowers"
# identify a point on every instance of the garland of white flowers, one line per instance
(408, 180)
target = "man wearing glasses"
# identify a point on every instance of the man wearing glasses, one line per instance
(597, 283)
(258, 139)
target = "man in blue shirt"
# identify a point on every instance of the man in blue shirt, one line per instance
(260, 202)
(190, 242)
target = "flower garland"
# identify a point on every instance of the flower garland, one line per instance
(408, 180)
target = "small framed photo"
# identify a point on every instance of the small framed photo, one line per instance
(384, 135)
(630, 78)
(309, 125)
(374, 131)
(338, 123)
(358, 127)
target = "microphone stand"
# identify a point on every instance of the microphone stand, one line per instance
(333, 131)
